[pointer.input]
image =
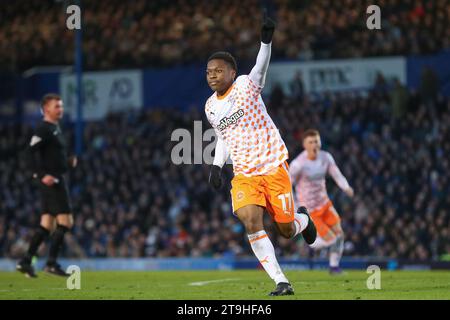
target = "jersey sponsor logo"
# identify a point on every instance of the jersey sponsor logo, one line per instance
(227, 121)
(35, 140)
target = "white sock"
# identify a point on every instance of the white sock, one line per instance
(300, 222)
(336, 251)
(334, 259)
(265, 252)
(321, 243)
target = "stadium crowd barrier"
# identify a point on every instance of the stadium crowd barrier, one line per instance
(154, 264)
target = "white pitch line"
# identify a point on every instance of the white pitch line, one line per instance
(202, 283)
(40, 289)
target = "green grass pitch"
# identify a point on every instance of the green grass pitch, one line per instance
(230, 285)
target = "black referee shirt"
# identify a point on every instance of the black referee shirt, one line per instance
(47, 150)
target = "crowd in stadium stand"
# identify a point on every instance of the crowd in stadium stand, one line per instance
(141, 33)
(130, 200)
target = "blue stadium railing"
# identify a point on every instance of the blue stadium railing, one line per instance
(154, 264)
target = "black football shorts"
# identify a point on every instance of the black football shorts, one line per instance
(55, 199)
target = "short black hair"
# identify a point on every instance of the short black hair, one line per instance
(226, 56)
(48, 97)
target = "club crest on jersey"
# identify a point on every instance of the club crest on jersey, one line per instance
(240, 195)
(227, 121)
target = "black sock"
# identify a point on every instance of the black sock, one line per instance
(57, 242)
(39, 236)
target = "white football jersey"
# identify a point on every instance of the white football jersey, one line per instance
(240, 119)
(309, 178)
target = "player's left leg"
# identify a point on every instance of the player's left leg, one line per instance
(332, 219)
(64, 223)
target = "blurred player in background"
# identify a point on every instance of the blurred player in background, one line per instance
(308, 172)
(49, 161)
(247, 134)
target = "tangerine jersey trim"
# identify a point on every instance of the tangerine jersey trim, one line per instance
(226, 93)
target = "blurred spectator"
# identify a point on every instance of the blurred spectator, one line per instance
(400, 100)
(297, 87)
(276, 97)
(380, 85)
(429, 85)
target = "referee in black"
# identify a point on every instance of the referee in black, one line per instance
(49, 161)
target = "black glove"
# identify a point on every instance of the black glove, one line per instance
(215, 178)
(267, 28)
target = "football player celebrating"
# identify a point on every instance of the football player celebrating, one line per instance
(246, 133)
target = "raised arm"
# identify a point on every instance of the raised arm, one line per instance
(258, 73)
(338, 177)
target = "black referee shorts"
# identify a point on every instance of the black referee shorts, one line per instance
(55, 199)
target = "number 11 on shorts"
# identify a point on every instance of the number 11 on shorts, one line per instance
(287, 209)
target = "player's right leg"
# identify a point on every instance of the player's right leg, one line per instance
(40, 235)
(280, 205)
(333, 221)
(252, 218)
